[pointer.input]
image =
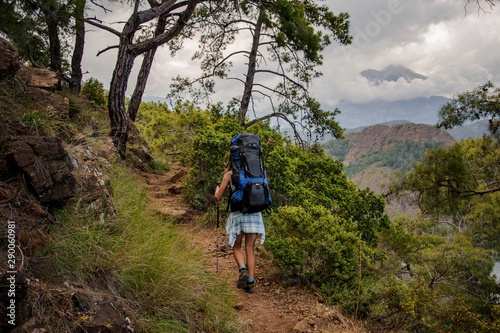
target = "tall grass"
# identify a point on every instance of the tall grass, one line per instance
(150, 261)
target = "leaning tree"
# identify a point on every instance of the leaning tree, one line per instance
(175, 14)
(285, 41)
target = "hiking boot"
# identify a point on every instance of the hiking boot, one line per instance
(250, 287)
(242, 280)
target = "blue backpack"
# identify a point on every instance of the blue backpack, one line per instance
(250, 188)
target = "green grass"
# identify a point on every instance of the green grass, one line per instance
(151, 263)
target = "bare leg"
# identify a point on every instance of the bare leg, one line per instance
(250, 252)
(237, 252)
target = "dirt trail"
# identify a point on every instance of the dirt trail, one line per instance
(272, 308)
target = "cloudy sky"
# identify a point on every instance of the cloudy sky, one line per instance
(455, 47)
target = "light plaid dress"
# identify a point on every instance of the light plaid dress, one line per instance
(248, 223)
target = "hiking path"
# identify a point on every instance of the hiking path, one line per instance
(273, 308)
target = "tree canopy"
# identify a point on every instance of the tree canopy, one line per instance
(285, 41)
(481, 103)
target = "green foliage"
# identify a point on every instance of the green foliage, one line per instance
(432, 273)
(41, 122)
(300, 177)
(449, 178)
(294, 32)
(481, 103)
(170, 133)
(37, 122)
(39, 29)
(401, 156)
(318, 249)
(337, 148)
(321, 227)
(448, 251)
(94, 91)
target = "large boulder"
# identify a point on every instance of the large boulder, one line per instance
(39, 78)
(9, 60)
(43, 163)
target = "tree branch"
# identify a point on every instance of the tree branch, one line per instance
(91, 21)
(278, 115)
(107, 49)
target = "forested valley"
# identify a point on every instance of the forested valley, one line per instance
(78, 239)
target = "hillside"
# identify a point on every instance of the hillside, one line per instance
(372, 155)
(94, 252)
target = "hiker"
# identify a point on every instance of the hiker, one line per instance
(246, 177)
(239, 226)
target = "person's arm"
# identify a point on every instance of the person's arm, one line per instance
(220, 189)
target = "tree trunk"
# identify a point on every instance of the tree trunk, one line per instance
(116, 102)
(54, 42)
(75, 82)
(118, 87)
(127, 52)
(142, 78)
(252, 65)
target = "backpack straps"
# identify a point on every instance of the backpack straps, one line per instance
(229, 197)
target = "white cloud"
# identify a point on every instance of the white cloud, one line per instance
(436, 39)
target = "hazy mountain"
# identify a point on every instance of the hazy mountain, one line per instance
(475, 130)
(391, 73)
(420, 110)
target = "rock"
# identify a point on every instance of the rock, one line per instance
(238, 306)
(45, 166)
(307, 325)
(181, 174)
(9, 60)
(107, 319)
(39, 78)
(29, 326)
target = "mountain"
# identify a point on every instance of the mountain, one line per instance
(391, 73)
(373, 154)
(422, 110)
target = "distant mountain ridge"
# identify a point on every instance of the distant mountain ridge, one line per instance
(373, 154)
(391, 73)
(419, 110)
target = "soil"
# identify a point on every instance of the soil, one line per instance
(273, 307)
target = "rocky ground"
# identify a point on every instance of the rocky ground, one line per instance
(272, 308)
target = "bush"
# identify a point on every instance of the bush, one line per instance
(94, 91)
(311, 246)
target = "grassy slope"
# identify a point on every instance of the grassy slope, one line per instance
(130, 254)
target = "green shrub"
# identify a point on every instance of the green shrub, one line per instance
(94, 91)
(313, 247)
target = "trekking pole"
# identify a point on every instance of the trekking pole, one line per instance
(217, 243)
(217, 216)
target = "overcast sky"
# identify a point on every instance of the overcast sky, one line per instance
(456, 49)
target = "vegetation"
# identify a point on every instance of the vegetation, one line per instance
(106, 243)
(144, 258)
(443, 258)
(481, 103)
(408, 275)
(423, 273)
(94, 91)
(398, 154)
(310, 193)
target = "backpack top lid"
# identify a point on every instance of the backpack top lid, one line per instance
(246, 146)
(245, 140)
